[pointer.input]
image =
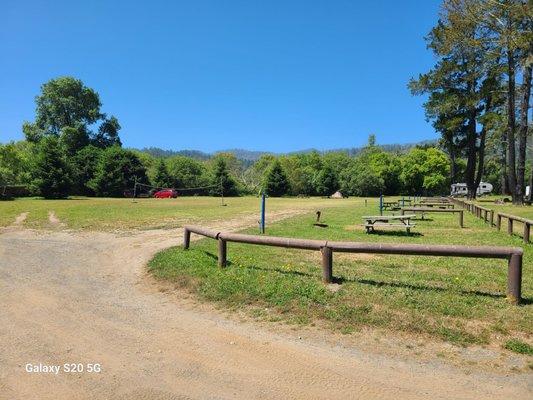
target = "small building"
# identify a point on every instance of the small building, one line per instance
(460, 189)
(337, 195)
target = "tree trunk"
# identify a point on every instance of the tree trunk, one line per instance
(522, 134)
(481, 155)
(471, 156)
(453, 165)
(511, 126)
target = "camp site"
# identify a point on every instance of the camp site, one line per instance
(266, 200)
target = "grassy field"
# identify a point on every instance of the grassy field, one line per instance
(454, 299)
(124, 214)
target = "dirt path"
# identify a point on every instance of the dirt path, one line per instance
(84, 298)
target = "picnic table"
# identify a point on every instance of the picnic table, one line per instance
(391, 205)
(425, 210)
(387, 221)
(435, 204)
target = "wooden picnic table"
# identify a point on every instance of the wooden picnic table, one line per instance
(425, 210)
(390, 205)
(435, 204)
(401, 221)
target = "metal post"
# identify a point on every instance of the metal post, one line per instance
(327, 264)
(262, 225)
(222, 193)
(509, 226)
(134, 189)
(186, 238)
(381, 205)
(514, 279)
(461, 219)
(526, 232)
(222, 252)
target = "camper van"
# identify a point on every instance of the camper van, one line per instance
(460, 189)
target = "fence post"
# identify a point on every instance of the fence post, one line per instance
(498, 221)
(327, 264)
(509, 226)
(514, 279)
(222, 252)
(526, 232)
(461, 219)
(491, 217)
(486, 216)
(186, 238)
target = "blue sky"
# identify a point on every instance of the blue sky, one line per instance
(210, 75)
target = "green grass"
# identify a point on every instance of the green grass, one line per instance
(519, 346)
(110, 214)
(458, 300)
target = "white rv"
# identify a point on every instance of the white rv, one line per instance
(460, 189)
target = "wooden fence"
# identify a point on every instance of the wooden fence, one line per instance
(513, 255)
(495, 218)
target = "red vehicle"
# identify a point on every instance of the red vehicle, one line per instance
(166, 194)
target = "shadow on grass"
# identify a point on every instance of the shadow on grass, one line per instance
(396, 233)
(340, 280)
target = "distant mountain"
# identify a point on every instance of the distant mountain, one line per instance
(157, 152)
(250, 155)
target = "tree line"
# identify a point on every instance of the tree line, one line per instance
(73, 148)
(479, 90)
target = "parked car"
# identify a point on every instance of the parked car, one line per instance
(166, 194)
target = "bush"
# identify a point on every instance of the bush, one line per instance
(52, 175)
(117, 171)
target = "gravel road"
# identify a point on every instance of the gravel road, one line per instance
(84, 298)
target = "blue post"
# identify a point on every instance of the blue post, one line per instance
(262, 225)
(381, 205)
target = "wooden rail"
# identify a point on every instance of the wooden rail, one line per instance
(495, 218)
(510, 220)
(513, 255)
(424, 210)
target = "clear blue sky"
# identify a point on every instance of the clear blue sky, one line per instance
(209, 75)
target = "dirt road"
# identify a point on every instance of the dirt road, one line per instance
(84, 298)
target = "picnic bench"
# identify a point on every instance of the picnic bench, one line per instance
(424, 210)
(389, 221)
(391, 205)
(443, 205)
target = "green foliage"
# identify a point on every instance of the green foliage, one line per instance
(83, 166)
(519, 346)
(325, 181)
(116, 172)
(222, 179)
(276, 183)
(361, 180)
(161, 178)
(186, 172)
(52, 175)
(425, 171)
(67, 108)
(73, 139)
(15, 163)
